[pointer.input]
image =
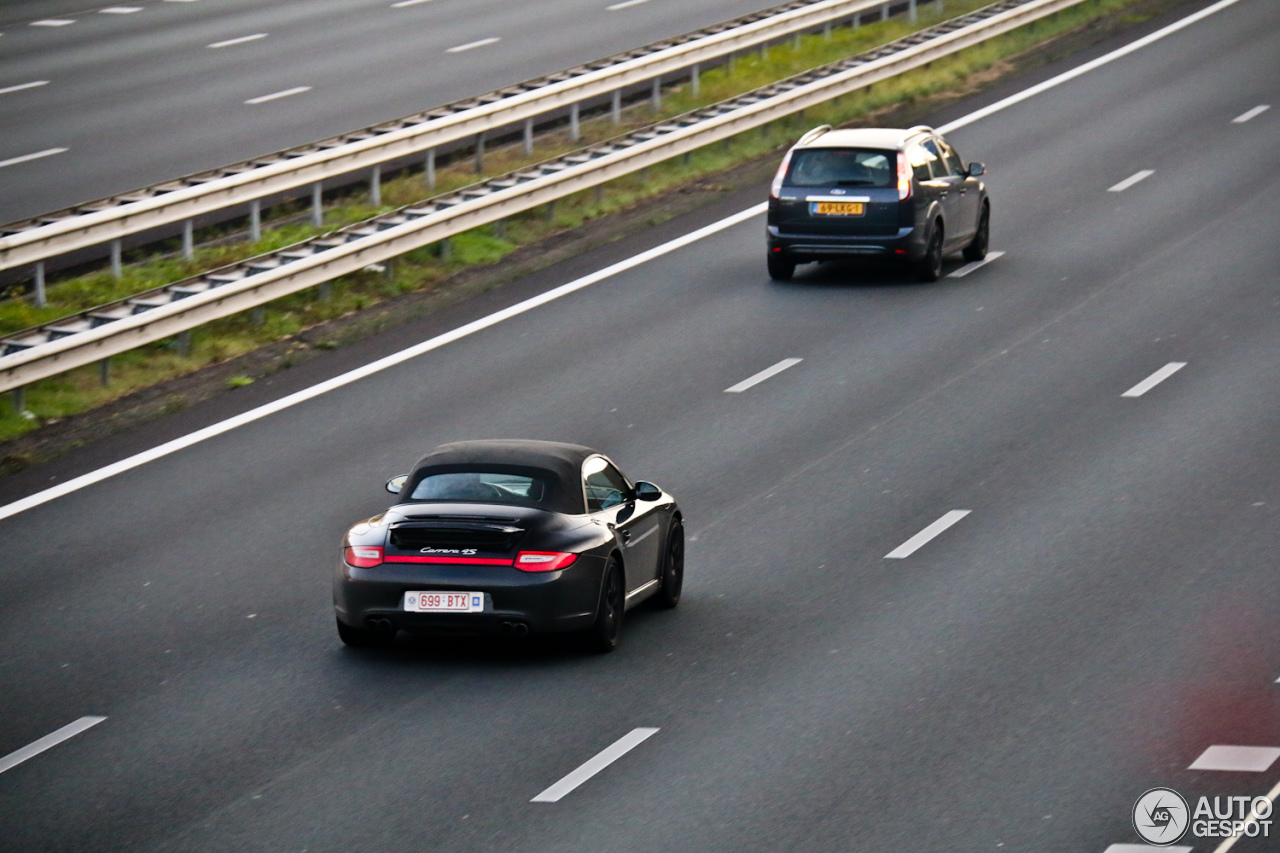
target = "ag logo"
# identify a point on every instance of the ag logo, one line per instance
(1160, 816)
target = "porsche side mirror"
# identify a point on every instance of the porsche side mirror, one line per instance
(647, 491)
(395, 484)
(977, 170)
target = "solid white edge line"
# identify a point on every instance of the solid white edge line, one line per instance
(924, 537)
(315, 391)
(603, 759)
(1253, 818)
(49, 741)
(404, 3)
(33, 84)
(1140, 175)
(1253, 113)
(240, 40)
(297, 90)
(767, 373)
(373, 367)
(48, 152)
(624, 5)
(976, 265)
(119, 10)
(1154, 379)
(53, 22)
(1087, 67)
(474, 44)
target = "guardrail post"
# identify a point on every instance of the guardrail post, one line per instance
(184, 343)
(912, 13)
(479, 152)
(375, 186)
(500, 229)
(42, 298)
(446, 248)
(551, 211)
(317, 204)
(104, 371)
(19, 399)
(764, 50)
(795, 41)
(431, 169)
(117, 265)
(188, 239)
(325, 290)
(255, 220)
(528, 136)
(599, 194)
(884, 11)
(695, 79)
(258, 316)
(575, 132)
(826, 31)
(657, 94)
(616, 107)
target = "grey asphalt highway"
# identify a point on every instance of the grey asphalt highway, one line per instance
(1106, 612)
(140, 97)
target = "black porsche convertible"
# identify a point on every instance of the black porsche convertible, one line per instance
(511, 537)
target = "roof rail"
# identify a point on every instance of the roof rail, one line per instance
(814, 134)
(920, 128)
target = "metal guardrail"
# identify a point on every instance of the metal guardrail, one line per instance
(94, 223)
(99, 333)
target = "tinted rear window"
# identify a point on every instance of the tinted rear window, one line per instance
(484, 486)
(842, 167)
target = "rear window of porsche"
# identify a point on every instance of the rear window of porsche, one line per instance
(842, 167)
(480, 486)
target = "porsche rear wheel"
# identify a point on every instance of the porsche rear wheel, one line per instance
(672, 569)
(604, 635)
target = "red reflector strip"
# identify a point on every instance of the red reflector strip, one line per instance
(468, 561)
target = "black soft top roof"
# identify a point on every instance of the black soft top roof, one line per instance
(562, 462)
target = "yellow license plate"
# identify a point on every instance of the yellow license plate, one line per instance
(839, 208)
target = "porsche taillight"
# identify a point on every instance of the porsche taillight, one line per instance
(362, 556)
(775, 189)
(544, 561)
(904, 177)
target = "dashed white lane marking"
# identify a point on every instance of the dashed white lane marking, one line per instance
(1254, 817)
(1253, 113)
(616, 6)
(473, 45)
(119, 10)
(619, 748)
(1131, 180)
(1144, 848)
(48, 152)
(1239, 759)
(240, 40)
(33, 84)
(915, 543)
(1154, 379)
(49, 741)
(54, 22)
(298, 90)
(763, 375)
(374, 367)
(404, 3)
(976, 265)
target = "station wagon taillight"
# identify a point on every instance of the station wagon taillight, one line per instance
(362, 556)
(775, 189)
(904, 177)
(544, 561)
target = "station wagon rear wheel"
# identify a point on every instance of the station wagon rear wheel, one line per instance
(977, 250)
(931, 264)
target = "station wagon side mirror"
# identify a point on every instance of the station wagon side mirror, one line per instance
(647, 491)
(395, 484)
(977, 170)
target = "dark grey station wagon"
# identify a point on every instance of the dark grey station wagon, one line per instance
(876, 192)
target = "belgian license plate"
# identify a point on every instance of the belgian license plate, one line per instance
(444, 602)
(839, 208)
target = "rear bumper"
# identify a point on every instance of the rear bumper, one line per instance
(547, 602)
(907, 244)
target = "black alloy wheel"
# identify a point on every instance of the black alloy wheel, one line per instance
(931, 264)
(780, 269)
(605, 634)
(361, 637)
(672, 569)
(977, 250)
